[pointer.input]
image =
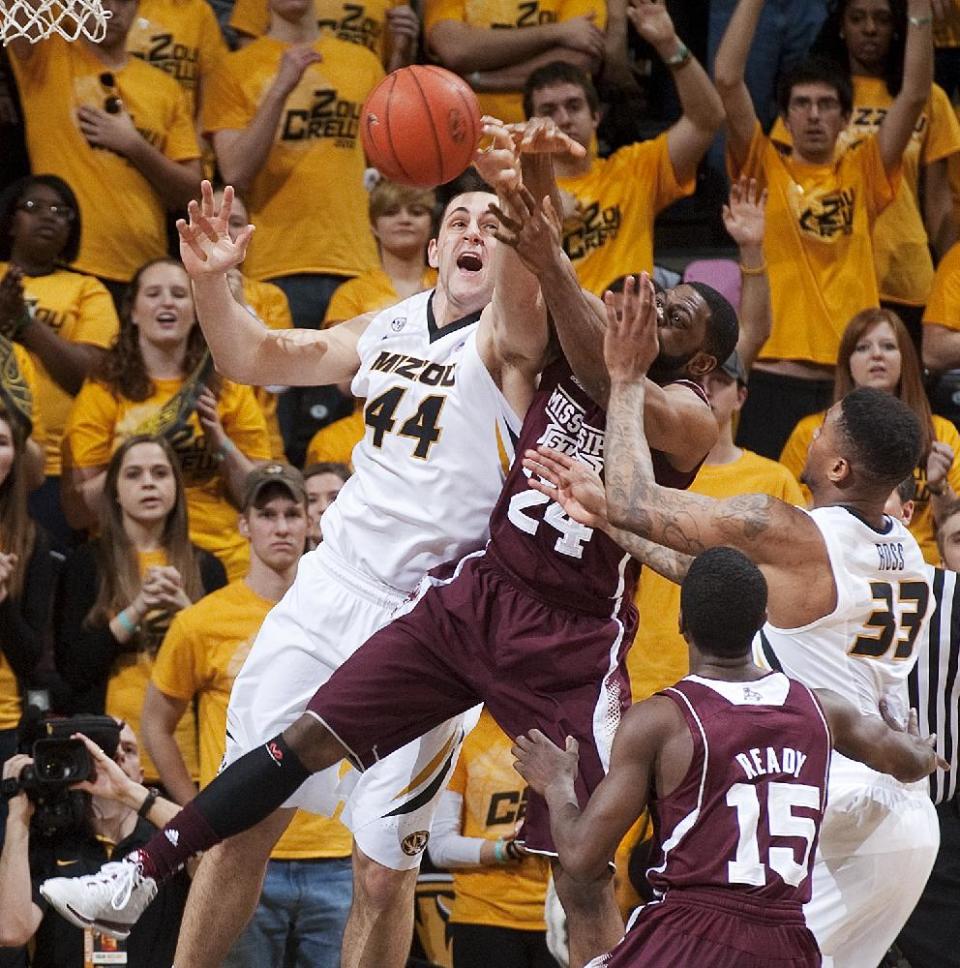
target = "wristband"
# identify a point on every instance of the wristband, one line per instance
(500, 852)
(225, 449)
(753, 270)
(920, 21)
(680, 57)
(126, 622)
(513, 851)
(147, 805)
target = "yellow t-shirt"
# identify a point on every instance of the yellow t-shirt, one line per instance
(618, 199)
(180, 37)
(79, 309)
(658, 657)
(127, 686)
(100, 421)
(201, 656)
(494, 802)
(369, 292)
(818, 244)
(508, 15)
(900, 246)
(943, 306)
(922, 527)
(270, 306)
(57, 79)
(336, 441)
(307, 200)
(359, 23)
(946, 32)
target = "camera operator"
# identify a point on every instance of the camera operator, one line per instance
(120, 815)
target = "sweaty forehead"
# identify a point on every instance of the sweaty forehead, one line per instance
(687, 295)
(475, 203)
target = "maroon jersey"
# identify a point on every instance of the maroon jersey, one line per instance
(566, 563)
(746, 817)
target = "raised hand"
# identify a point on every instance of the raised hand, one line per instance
(403, 25)
(164, 588)
(539, 136)
(109, 781)
(206, 248)
(582, 34)
(534, 232)
(743, 215)
(576, 487)
(542, 763)
(631, 344)
(499, 162)
(653, 23)
(293, 64)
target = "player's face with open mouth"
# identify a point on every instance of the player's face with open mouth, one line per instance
(464, 246)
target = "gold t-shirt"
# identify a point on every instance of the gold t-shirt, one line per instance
(943, 306)
(369, 292)
(658, 657)
(57, 79)
(818, 244)
(508, 15)
(127, 688)
(181, 38)
(201, 656)
(359, 23)
(79, 309)
(922, 527)
(308, 200)
(900, 246)
(494, 803)
(336, 441)
(617, 200)
(100, 421)
(270, 306)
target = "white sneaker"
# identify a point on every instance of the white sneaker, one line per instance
(110, 901)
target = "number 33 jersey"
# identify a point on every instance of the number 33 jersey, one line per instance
(437, 445)
(865, 648)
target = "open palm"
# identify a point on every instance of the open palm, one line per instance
(205, 244)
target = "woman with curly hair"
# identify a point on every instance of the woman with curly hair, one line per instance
(119, 592)
(65, 320)
(865, 39)
(157, 379)
(876, 351)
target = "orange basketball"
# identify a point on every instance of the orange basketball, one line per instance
(421, 125)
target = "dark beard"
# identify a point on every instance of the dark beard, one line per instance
(666, 367)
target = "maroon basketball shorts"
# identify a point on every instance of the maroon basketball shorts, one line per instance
(478, 637)
(700, 928)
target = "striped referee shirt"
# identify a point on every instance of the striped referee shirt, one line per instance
(934, 685)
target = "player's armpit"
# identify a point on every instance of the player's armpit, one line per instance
(679, 423)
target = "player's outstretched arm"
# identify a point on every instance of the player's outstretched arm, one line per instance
(243, 348)
(899, 122)
(578, 489)
(880, 744)
(587, 840)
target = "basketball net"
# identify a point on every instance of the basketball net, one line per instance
(36, 20)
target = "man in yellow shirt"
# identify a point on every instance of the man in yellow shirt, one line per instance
(284, 118)
(820, 215)
(610, 203)
(497, 44)
(119, 132)
(307, 890)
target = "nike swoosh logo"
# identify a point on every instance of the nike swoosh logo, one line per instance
(66, 863)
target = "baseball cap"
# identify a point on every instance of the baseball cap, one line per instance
(734, 368)
(269, 474)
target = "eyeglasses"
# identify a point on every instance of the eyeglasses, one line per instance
(62, 212)
(825, 105)
(111, 103)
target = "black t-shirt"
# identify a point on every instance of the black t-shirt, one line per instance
(59, 944)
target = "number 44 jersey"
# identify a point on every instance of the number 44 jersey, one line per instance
(436, 449)
(865, 648)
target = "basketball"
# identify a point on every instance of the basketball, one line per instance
(421, 125)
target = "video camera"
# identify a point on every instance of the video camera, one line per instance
(58, 763)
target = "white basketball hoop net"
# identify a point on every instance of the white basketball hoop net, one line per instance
(37, 19)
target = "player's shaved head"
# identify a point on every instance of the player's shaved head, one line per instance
(723, 602)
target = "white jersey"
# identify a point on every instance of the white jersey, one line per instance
(867, 646)
(436, 449)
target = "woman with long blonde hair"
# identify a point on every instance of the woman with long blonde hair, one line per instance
(119, 592)
(876, 351)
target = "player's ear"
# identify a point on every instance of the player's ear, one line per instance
(243, 526)
(432, 259)
(908, 509)
(701, 364)
(681, 625)
(839, 470)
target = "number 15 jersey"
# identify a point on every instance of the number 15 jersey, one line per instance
(435, 453)
(865, 648)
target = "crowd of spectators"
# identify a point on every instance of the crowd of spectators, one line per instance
(151, 511)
